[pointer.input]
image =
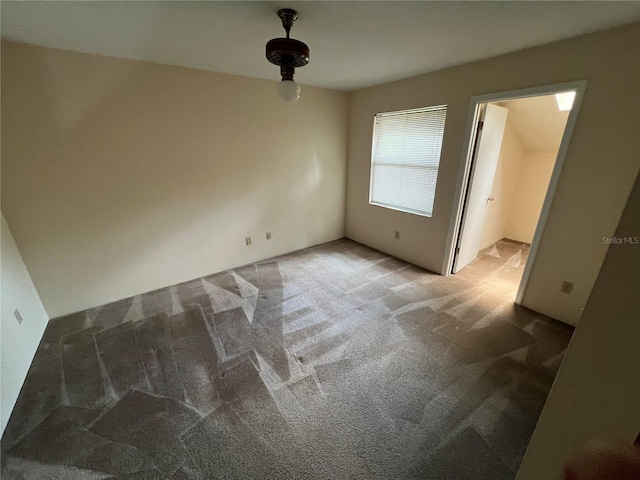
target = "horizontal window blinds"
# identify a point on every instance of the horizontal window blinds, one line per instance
(405, 159)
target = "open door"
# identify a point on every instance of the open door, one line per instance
(482, 174)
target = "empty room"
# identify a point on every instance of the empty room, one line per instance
(326, 240)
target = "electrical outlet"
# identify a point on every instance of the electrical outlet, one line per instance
(567, 287)
(397, 235)
(268, 235)
(248, 240)
(18, 316)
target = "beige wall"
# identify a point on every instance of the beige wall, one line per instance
(531, 188)
(120, 177)
(596, 395)
(503, 189)
(18, 341)
(601, 163)
(519, 187)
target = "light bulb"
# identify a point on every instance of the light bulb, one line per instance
(288, 90)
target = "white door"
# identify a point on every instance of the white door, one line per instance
(484, 169)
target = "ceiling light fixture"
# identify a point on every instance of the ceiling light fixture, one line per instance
(287, 53)
(565, 100)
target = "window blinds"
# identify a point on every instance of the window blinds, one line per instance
(405, 159)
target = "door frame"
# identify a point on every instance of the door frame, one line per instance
(467, 159)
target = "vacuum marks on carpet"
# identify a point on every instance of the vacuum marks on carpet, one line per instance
(332, 362)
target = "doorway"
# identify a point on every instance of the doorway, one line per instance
(514, 153)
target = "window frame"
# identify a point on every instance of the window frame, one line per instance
(436, 167)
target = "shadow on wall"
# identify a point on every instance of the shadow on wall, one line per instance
(120, 177)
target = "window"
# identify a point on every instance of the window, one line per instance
(405, 159)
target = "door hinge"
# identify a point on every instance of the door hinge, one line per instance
(457, 250)
(480, 125)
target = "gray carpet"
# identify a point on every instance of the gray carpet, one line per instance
(334, 362)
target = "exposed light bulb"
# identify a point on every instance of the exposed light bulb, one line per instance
(288, 90)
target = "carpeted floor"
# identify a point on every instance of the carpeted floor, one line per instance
(334, 362)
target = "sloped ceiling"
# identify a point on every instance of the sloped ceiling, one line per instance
(537, 122)
(353, 44)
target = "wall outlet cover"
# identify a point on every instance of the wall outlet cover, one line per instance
(567, 287)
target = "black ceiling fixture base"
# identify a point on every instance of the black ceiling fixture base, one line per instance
(288, 16)
(287, 52)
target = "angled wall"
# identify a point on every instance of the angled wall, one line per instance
(596, 395)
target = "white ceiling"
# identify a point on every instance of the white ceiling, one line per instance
(537, 122)
(353, 44)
